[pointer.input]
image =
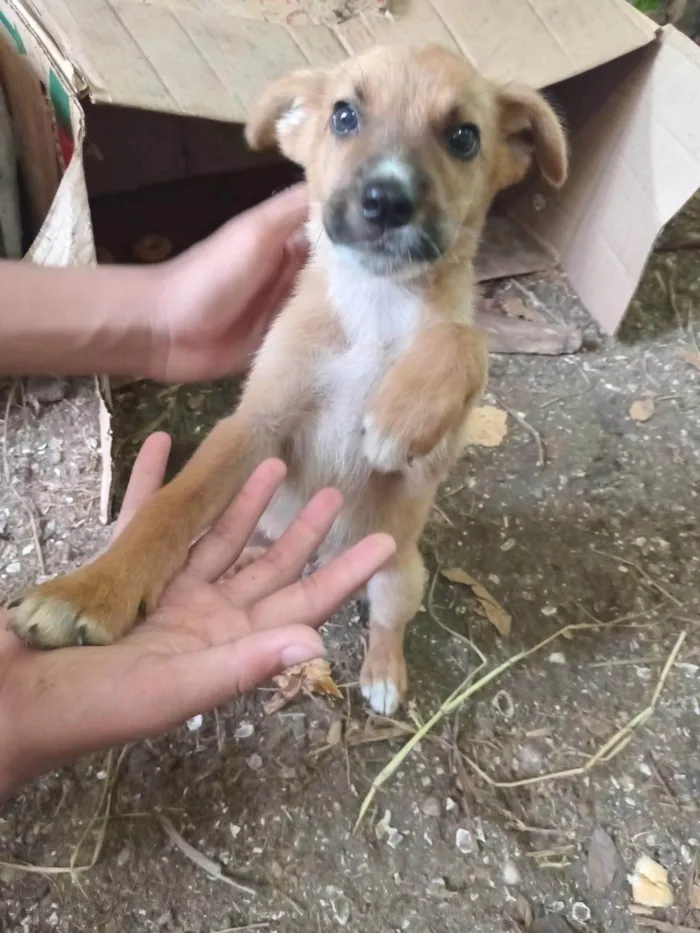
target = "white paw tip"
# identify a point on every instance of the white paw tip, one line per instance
(382, 696)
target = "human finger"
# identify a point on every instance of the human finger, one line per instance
(312, 600)
(146, 477)
(214, 553)
(286, 559)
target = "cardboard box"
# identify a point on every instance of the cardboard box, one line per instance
(113, 97)
(161, 85)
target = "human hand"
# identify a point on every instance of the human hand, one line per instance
(212, 637)
(217, 300)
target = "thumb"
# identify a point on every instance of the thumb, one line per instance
(211, 677)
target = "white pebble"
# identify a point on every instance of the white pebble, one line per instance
(195, 723)
(464, 840)
(244, 731)
(511, 875)
(255, 763)
(549, 610)
(14, 567)
(581, 912)
(557, 657)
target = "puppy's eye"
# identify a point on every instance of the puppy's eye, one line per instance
(345, 120)
(464, 141)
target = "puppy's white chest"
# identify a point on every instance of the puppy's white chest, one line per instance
(379, 319)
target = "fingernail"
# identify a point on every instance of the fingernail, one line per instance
(300, 653)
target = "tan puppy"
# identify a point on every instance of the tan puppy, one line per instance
(366, 378)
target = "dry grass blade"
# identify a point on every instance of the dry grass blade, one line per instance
(608, 750)
(468, 690)
(213, 869)
(248, 926)
(102, 813)
(654, 584)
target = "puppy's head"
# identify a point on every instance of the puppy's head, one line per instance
(404, 148)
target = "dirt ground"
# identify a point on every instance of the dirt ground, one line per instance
(581, 515)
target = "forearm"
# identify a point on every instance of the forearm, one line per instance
(76, 321)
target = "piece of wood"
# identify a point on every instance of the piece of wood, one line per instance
(514, 335)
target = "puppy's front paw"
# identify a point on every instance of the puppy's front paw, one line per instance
(88, 607)
(383, 679)
(384, 453)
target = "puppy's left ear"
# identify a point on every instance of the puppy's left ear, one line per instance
(532, 132)
(284, 114)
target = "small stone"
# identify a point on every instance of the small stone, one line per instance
(464, 840)
(340, 905)
(557, 657)
(549, 610)
(335, 733)
(195, 723)
(255, 763)
(431, 806)
(243, 731)
(450, 805)
(13, 567)
(581, 912)
(511, 875)
(123, 856)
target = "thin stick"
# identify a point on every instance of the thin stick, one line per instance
(213, 869)
(8, 479)
(467, 690)
(541, 459)
(438, 621)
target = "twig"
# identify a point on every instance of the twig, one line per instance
(535, 301)
(528, 427)
(213, 869)
(8, 479)
(642, 573)
(466, 690)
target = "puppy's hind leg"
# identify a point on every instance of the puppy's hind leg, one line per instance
(395, 595)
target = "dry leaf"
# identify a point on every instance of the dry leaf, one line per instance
(690, 356)
(642, 409)
(311, 677)
(515, 307)
(695, 896)
(486, 426)
(603, 860)
(650, 886)
(493, 610)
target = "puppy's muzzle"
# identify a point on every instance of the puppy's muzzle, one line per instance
(387, 204)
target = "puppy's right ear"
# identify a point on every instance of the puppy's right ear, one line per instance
(284, 114)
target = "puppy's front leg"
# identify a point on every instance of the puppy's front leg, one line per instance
(395, 595)
(101, 601)
(425, 395)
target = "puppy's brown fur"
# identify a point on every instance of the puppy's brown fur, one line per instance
(366, 378)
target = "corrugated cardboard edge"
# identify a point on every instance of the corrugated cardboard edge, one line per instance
(226, 56)
(638, 163)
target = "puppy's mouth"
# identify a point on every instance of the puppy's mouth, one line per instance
(405, 249)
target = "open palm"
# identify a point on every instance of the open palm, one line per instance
(214, 635)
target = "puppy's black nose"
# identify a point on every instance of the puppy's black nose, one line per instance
(387, 204)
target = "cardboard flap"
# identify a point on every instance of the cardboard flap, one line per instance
(636, 161)
(212, 58)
